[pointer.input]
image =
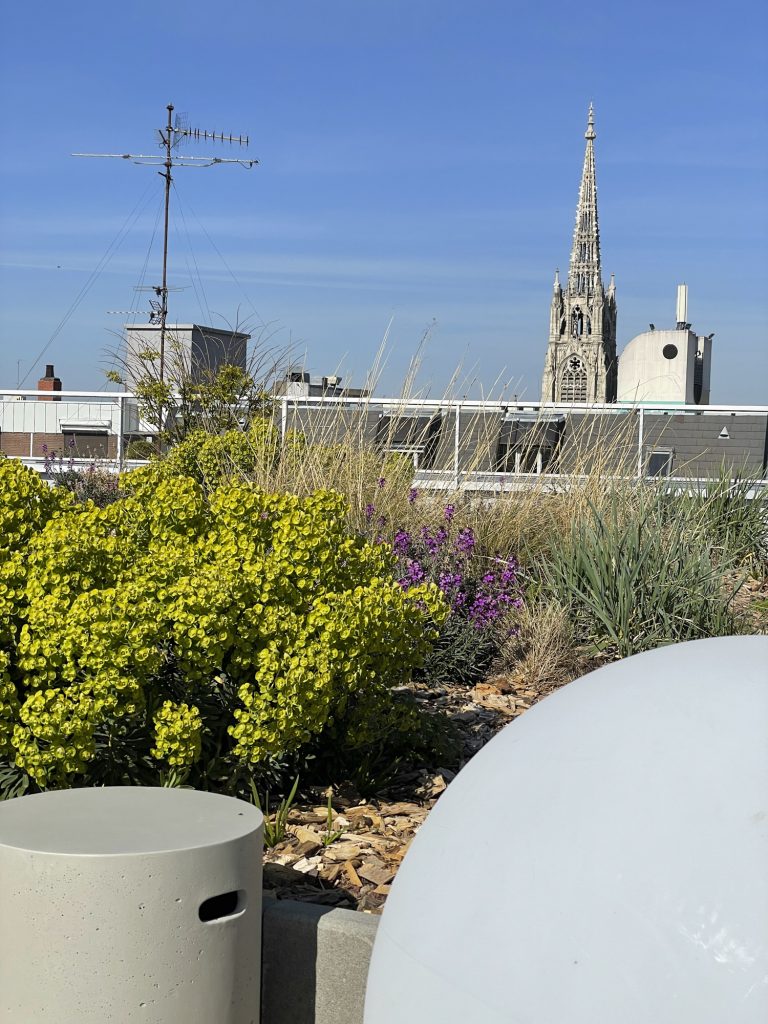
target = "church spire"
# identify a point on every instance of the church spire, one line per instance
(584, 270)
(581, 356)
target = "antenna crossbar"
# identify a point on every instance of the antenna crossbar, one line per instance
(157, 289)
(153, 160)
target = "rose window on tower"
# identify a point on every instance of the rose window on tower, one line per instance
(573, 384)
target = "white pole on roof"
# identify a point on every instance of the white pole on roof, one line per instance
(640, 442)
(457, 414)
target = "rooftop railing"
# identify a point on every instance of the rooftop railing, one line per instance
(122, 408)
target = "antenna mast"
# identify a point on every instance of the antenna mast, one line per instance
(164, 285)
(170, 136)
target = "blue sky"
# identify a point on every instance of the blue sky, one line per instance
(420, 163)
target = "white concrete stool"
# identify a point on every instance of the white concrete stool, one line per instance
(603, 860)
(130, 904)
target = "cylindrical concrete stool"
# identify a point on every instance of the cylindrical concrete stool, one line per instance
(130, 904)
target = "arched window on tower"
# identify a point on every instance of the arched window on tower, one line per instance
(577, 322)
(573, 383)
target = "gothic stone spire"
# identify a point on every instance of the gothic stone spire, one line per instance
(584, 270)
(581, 357)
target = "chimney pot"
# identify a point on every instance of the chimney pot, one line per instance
(50, 382)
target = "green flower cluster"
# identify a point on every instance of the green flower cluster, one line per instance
(9, 707)
(27, 505)
(179, 620)
(54, 737)
(211, 459)
(178, 730)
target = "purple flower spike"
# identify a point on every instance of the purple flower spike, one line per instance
(381, 482)
(450, 581)
(414, 573)
(465, 540)
(369, 512)
(412, 495)
(402, 542)
(431, 543)
(449, 512)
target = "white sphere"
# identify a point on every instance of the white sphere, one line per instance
(603, 859)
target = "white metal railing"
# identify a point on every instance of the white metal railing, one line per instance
(491, 482)
(398, 406)
(517, 405)
(494, 480)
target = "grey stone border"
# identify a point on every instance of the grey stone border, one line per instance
(314, 964)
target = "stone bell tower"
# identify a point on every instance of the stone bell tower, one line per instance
(581, 357)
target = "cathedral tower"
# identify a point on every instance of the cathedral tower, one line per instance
(581, 357)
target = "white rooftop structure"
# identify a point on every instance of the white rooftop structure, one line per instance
(198, 349)
(667, 365)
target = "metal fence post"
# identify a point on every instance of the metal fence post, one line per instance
(456, 433)
(120, 429)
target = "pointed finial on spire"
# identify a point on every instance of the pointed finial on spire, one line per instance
(557, 279)
(590, 132)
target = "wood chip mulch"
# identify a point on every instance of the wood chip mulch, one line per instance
(353, 866)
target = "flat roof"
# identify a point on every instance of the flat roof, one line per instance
(187, 327)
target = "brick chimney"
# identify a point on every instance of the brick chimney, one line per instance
(50, 382)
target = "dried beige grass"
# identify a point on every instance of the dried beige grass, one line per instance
(543, 653)
(330, 446)
(335, 451)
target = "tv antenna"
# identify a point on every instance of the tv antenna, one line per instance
(155, 305)
(170, 137)
(130, 312)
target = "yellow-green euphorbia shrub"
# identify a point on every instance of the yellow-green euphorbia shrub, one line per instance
(133, 616)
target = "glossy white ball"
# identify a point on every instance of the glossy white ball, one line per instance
(603, 859)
